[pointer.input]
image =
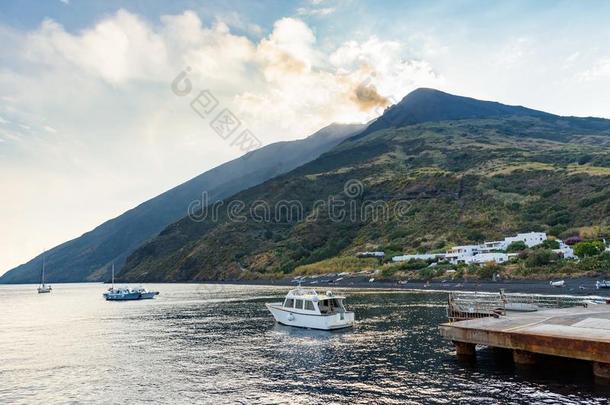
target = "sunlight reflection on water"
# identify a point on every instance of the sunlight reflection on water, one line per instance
(206, 344)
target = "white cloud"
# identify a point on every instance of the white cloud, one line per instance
(117, 49)
(307, 89)
(515, 52)
(324, 11)
(3, 121)
(599, 71)
(236, 20)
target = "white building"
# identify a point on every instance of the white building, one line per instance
(379, 255)
(483, 258)
(565, 251)
(467, 253)
(460, 254)
(426, 256)
(531, 239)
(494, 245)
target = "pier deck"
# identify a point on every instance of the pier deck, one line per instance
(578, 333)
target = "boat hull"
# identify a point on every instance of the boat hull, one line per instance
(311, 321)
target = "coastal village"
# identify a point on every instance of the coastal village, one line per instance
(488, 252)
(533, 255)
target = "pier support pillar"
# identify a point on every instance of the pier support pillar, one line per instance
(601, 372)
(524, 358)
(465, 350)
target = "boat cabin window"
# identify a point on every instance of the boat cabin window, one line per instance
(289, 303)
(309, 306)
(298, 304)
(329, 306)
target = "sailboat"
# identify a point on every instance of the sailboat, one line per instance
(43, 288)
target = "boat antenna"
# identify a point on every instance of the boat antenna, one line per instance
(113, 275)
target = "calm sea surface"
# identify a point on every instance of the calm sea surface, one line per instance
(218, 344)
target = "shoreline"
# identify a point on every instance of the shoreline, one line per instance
(575, 286)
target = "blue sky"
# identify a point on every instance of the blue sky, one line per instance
(89, 127)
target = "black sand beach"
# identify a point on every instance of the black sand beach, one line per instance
(574, 286)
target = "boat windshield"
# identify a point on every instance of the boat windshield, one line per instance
(330, 306)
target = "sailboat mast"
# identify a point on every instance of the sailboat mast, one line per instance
(43, 265)
(113, 276)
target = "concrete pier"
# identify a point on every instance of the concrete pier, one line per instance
(524, 358)
(577, 333)
(465, 350)
(602, 371)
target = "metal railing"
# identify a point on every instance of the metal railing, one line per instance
(472, 305)
(468, 305)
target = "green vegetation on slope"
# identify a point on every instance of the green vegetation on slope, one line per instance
(445, 183)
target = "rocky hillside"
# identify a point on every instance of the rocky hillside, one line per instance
(457, 176)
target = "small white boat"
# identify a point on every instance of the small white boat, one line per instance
(127, 293)
(560, 283)
(305, 308)
(602, 284)
(43, 288)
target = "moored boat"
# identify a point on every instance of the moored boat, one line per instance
(127, 293)
(560, 283)
(43, 288)
(305, 308)
(602, 284)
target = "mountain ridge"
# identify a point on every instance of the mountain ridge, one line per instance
(427, 105)
(474, 176)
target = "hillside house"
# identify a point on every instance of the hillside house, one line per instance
(565, 251)
(425, 256)
(483, 258)
(378, 255)
(531, 239)
(461, 254)
(492, 250)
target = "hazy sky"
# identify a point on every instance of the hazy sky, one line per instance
(90, 128)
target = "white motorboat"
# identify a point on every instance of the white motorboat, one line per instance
(43, 288)
(560, 283)
(602, 284)
(305, 308)
(127, 293)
